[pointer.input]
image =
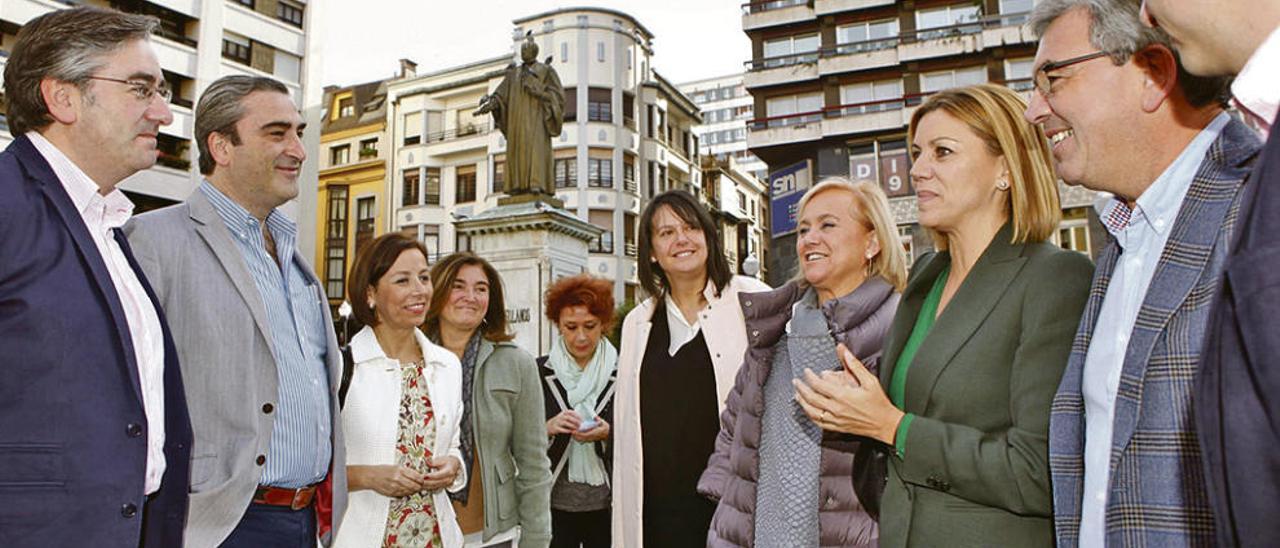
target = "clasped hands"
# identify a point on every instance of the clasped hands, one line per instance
(569, 421)
(848, 400)
(400, 480)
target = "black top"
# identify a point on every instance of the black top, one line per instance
(679, 418)
(554, 396)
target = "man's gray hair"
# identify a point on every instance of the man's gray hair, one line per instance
(66, 45)
(222, 106)
(1116, 28)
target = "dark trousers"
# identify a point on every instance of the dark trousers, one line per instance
(265, 526)
(586, 529)
(677, 522)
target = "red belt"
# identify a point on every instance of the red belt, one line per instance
(296, 499)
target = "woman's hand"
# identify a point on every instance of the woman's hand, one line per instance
(567, 422)
(443, 471)
(849, 401)
(597, 433)
(386, 480)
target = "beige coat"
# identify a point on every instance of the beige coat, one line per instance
(726, 338)
(372, 417)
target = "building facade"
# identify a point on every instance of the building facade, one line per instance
(199, 42)
(628, 135)
(354, 208)
(739, 203)
(834, 84)
(726, 110)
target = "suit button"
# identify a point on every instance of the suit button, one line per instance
(261, 460)
(268, 408)
(129, 510)
(133, 430)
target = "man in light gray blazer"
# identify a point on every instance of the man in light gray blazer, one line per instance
(253, 333)
(1123, 452)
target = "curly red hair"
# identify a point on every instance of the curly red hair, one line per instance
(581, 290)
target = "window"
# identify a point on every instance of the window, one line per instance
(366, 217)
(866, 31)
(432, 191)
(499, 174)
(245, 3)
(287, 66)
(785, 51)
(564, 52)
(570, 104)
(236, 48)
(629, 109)
(339, 155)
(412, 128)
(1016, 6)
(789, 106)
(289, 12)
(336, 243)
(949, 16)
(938, 81)
(346, 107)
(742, 201)
(604, 242)
(629, 233)
(600, 172)
(431, 238)
(369, 148)
(629, 172)
(652, 122)
(1018, 73)
(600, 51)
(466, 184)
(412, 188)
(566, 172)
(872, 92)
(1073, 232)
(599, 105)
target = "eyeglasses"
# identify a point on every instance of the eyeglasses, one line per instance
(142, 90)
(1042, 74)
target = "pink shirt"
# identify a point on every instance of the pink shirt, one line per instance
(102, 215)
(1256, 89)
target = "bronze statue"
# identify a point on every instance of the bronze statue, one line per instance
(528, 108)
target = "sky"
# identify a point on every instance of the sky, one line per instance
(363, 40)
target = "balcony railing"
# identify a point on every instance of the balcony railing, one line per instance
(630, 249)
(868, 107)
(458, 133)
(863, 46)
(783, 60)
(630, 186)
(839, 111)
(785, 120)
(770, 5)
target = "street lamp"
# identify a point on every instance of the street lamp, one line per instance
(751, 265)
(344, 312)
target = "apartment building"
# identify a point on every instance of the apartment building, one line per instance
(353, 160)
(739, 203)
(834, 84)
(628, 134)
(199, 42)
(726, 110)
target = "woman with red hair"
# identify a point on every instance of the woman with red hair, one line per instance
(579, 373)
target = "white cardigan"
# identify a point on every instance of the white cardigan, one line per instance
(371, 420)
(725, 332)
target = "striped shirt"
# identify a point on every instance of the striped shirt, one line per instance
(301, 438)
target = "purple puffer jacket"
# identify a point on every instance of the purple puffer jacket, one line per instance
(860, 320)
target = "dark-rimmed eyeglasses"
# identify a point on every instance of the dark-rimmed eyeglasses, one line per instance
(1041, 79)
(144, 91)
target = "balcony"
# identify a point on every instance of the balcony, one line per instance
(966, 37)
(788, 128)
(833, 121)
(858, 56)
(865, 117)
(827, 7)
(460, 139)
(769, 13)
(784, 69)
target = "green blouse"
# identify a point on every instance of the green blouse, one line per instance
(898, 382)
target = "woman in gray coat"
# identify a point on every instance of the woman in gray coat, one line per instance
(852, 270)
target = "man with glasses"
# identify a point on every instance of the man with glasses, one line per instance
(1236, 414)
(258, 352)
(94, 436)
(1124, 118)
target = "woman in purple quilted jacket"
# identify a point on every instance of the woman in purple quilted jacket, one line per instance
(852, 270)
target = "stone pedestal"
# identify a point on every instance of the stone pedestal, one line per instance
(531, 244)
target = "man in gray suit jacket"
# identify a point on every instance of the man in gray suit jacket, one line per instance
(1123, 455)
(256, 344)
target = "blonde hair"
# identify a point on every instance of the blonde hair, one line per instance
(871, 208)
(994, 114)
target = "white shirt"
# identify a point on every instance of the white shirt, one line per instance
(1141, 235)
(680, 329)
(1256, 89)
(102, 215)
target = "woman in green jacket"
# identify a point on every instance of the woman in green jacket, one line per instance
(504, 440)
(980, 339)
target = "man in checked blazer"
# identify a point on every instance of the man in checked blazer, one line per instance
(1123, 452)
(257, 348)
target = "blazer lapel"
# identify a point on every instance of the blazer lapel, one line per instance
(968, 309)
(38, 169)
(1182, 263)
(908, 310)
(214, 231)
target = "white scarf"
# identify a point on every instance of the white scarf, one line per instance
(584, 386)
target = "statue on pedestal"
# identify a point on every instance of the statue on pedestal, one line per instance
(528, 108)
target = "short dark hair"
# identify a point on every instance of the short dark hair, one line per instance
(221, 107)
(66, 45)
(581, 290)
(371, 264)
(443, 275)
(686, 207)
